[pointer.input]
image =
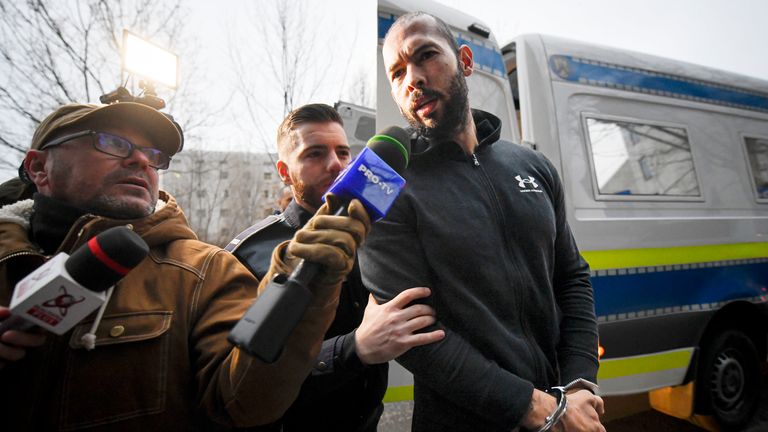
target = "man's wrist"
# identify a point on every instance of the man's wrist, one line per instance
(548, 408)
(557, 414)
(542, 405)
(349, 352)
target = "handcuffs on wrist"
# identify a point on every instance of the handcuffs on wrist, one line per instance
(562, 401)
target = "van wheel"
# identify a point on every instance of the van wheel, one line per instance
(728, 384)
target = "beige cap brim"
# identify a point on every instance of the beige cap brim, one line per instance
(158, 128)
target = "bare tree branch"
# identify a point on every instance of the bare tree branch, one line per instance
(56, 52)
(12, 146)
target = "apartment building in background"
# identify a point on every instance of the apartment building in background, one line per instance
(222, 193)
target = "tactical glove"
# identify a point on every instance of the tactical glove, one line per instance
(331, 241)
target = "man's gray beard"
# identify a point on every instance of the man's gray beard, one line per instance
(454, 118)
(114, 208)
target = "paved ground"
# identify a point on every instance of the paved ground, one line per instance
(396, 417)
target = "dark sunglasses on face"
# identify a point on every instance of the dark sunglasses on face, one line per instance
(114, 145)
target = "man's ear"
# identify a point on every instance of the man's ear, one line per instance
(34, 164)
(466, 63)
(282, 171)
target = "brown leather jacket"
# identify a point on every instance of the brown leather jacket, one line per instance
(162, 361)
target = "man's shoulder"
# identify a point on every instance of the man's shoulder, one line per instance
(519, 150)
(514, 155)
(253, 247)
(270, 227)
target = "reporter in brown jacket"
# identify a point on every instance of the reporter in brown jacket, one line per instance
(161, 360)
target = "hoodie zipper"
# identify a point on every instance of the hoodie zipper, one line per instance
(499, 215)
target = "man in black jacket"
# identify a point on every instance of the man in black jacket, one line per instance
(345, 389)
(482, 222)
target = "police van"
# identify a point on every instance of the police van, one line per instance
(359, 124)
(665, 170)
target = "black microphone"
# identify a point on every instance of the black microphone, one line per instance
(63, 291)
(374, 179)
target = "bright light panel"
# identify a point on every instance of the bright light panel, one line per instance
(148, 60)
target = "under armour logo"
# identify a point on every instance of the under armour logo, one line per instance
(522, 182)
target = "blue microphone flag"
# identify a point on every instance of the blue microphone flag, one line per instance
(369, 179)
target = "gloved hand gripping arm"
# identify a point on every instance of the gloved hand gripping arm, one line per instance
(288, 295)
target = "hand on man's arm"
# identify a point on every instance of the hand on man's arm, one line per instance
(14, 343)
(389, 330)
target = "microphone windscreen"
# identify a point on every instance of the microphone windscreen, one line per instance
(106, 258)
(393, 146)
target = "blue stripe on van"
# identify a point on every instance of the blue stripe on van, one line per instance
(385, 22)
(651, 292)
(601, 74)
(487, 59)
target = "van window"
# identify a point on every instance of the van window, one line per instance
(637, 159)
(757, 153)
(366, 128)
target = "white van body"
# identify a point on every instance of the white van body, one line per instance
(359, 124)
(665, 169)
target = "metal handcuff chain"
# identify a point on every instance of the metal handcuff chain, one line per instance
(562, 401)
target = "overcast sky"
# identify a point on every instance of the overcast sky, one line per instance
(344, 46)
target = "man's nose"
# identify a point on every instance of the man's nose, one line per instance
(334, 163)
(137, 158)
(414, 77)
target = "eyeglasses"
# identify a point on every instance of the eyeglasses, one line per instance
(114, 145)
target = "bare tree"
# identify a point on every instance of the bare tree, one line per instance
(199, 180)
(361, 91)
(56, 52)
(295, 68)
(286, 68)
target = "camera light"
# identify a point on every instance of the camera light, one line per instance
(150, 61)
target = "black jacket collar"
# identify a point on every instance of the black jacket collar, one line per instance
(295, 215)
(488, 132)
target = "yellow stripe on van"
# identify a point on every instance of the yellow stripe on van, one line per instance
(398, 394)
(610, 368)
(620, 367)
(626, 258)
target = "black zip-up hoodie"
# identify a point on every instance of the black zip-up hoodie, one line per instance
(488, 234)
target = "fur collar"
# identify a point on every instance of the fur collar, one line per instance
(18, 213)
(21, 212)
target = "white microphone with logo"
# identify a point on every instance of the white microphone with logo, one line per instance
(66, 289)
